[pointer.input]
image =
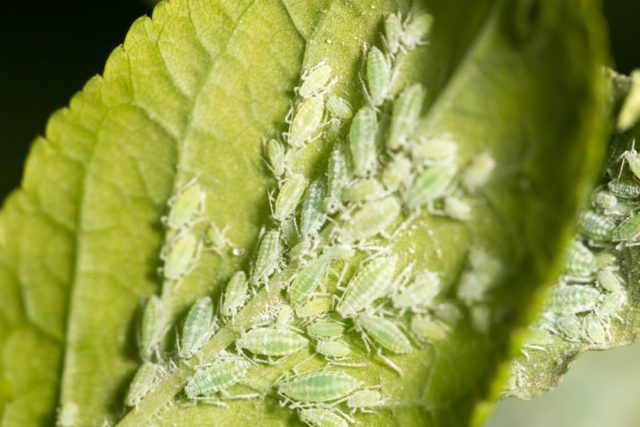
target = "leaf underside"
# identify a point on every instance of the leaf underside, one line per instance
(192, 93)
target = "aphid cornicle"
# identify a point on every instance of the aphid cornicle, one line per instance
(306, 121)
(373, 217)
(365, 400)
(370, 282)
(596, 226)
(574, 299)
(145, 380)
(152, 327)
(312, 214)
(362, 190)
(626, 189)
(321, 417)
(419, 293)
(478, 173)
(431, 184)
(386, 333)
(267, 256)
(307, 280)
(180, 255)
(277, 156)
(325, 329)
(199, 325)
(339, 108)
(378, 73)
(315, 79)
(235, 294)
(318, 386)
(628, 230)
(217, 377)
(289, 196)
(337, 178)
(362, 141)
(406, 112)
(275, 342)
(186, 206)
(580, 262)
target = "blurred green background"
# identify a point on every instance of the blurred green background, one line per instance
(49, 49)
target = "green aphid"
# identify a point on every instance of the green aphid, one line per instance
(339, 108)
(307, 280)
(609, 280)
(362, 190)
(433, 183)
(633, 160)
(306, 121)
(235, 294)
(428, 329)
(569, 327)
(277, 156)
(365, 400)
(362, 141)
(144, 381)
(416, 29)
(378, 76)
(373, 218)
(267, 257)
(479, 172)
(325, 329)
(152, 327)
(314, 308)
(289, 196)
(333, 349)
(580, 262)
(277, 342)
(458, 208)
(337, 178)
(215, 378)
(573, 299)
(186, 206)
(316, 79)
(435, 149)
(386, 333)
(321, 417)
(628, 231)
(611, 303)
(405, 115)
(610, 205)
(180, 255)
(596, 226)
(625, 189)
(482, 273)
(397, 173)
(595, 329)
(419, 293)
(312, 214)
(393, 32)
(319, 386)
(198, 327)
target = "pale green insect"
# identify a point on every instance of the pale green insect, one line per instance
(433, 183)
(633, 160)
(285, 316)
(339, 108)
(596, 226)
(378, 75)
(320, 417)
(628, 230)
(482, 273)
(405, 116)
(314, 307)
(373, 218)
(312, 214)
(181, 255)
(218, 377)
(235, 294)
(306, 121)
(362, 190)
(333, 349)
(362, 141)
(271, 342)
(595, 329)
(152, 327)
(307, 280)
(198, 327)
(611, 303)
(338, 252)
(289, 196)
(416, 29)
(370, 282)
(609, 280)
(605, 259)
(277, 156)
(218, 241)
(448, 311)
(479, 172)
(573, 299)
(580, 262)
(419, 294)
(267, 257)
(611, 205)
(626, 189)
(318, 386)
(386, 333)
(458, 208)
(186, 206)
(435, 149)
(428, 329)
(316, 79)
(325, 329)
(337, 178)
(569, 327)
(393, 32)
(365, 400)
(398, 173)
(146, 379)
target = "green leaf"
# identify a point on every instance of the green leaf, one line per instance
(191, 94)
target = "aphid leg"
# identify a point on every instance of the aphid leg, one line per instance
(388, 362)
(333, 362)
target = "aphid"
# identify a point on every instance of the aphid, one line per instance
(580, 262)
(596, 226)
(325, 329)
(338, 252)
(419, 293)
(392, 32)
(339, 108)
(633, 160)
(626, 189)
(306, 121)
(180, 255)
(606, 259)
(152, 327)
(604, 200)
(405, 116)
(362, 190)
(314, 307)
(416, 29)
(431, 184)
(435, 149)
(320, 417)
(218, 241)
(478, 172)
(337, 178)
(218, 377)
(312, 215)
(594, 329)
(67, 415)
(609, 280)
(458, 208)
(448, 311)
(146, 379)
(185, 206)
(370, 282)
(307, 280)
(289, 196)
(569, 327)
(428, 329)
(365, 400)
(362, 141)
(628, 230)
(611, 303)
(318, 386)
(198, 327)
(315, 79)
(378, 73)
(574, 299)
(277, 156)
(398, 173)
(267, 257)
(276, 342)
(333, 349)
(235, 294)
(373, 217)
(285, 316)
(482, 273)
(387, 334)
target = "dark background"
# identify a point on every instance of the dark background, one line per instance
(49, 49)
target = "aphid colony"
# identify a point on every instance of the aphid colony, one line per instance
(377, 178)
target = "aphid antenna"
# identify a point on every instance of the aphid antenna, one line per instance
(336, 362)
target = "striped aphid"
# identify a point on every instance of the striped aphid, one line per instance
(180, 255)
(267, 257)
(433, 183)
(372, 218)
(616, 295)
(573, 299)
(306, 121)
(147, 377)
(307, 280)
(210, 383)
(378, 76)
(199, 326)
(626, 189)
(186, 206)
(322, 386)
(337, 178)
(316, 79)
(271, 342)
(277, 157)
(314, 308)
(595, 329)
(393, 33)
(289, 196)
(568, 327)
(321, 417)
(628, 232)
(333, 350)
(398, 173)
(405, 115)
(235, 294)
(325, 329)
(595, 226)
(152, 328)
(610, 205)
(580, 263)
(362, 141)
(366, 400)
(386, 334)
(312, 214)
